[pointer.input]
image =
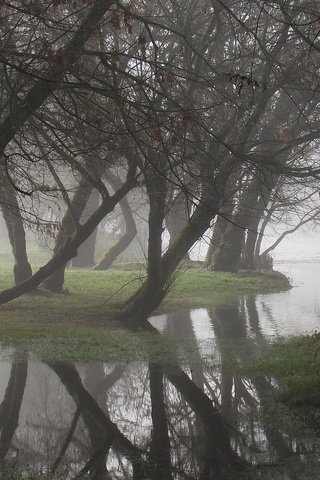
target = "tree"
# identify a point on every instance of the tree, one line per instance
(178, 101)
(16, 233)
(130, 229)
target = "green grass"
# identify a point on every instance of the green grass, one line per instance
(78, 324)
(295, 364)
(91, 296)
(200, 288)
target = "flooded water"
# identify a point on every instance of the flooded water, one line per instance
(196, 418)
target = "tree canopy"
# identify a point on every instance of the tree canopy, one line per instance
(211, 105)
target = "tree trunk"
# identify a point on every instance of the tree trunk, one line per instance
(218, 231)
(124, 241)
(222, 221)
(227, 255)
(12, 217)
(177, 216)
(69, 248)
(86, 251)
(11, 404)
(160, 443)
(68, 226)
(153, 288)
(93, 414)
(151, 293)
(248, 261)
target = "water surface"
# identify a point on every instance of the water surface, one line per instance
(193, 418)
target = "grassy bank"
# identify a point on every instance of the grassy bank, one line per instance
(295, 364)
(73, 324)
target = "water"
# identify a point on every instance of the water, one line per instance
(198, 418)
(296, 311)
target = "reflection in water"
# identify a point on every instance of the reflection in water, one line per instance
(145, 420)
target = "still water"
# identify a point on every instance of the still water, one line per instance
(196, 418)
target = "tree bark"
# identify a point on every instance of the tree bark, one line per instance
(218, 231)
(146, 298)
(153, 289)
(177, 216)
(222, 220)
(227, 256)
(69, 225)
(12, 217)
(86, 251)
(248, 261)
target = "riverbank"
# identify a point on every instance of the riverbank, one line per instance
(295, 365)
(73, 324)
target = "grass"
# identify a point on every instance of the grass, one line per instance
(200, 288)
(78, 324)
(295, 363)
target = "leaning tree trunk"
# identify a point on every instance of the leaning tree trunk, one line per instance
(151, 293)
(123, 242)
(130, 229)
(70, 246)
(95, 417)
(12, 217)
(73, 214)
(153, 290)
(86, 251)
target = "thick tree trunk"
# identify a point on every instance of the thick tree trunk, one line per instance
(218, 231)
(177, 216)
(68, 227)
(222, 221)
(248, 261)
(86, 251)
(227, 255)
(218, 456)
(12, 217)
(151, 293)
(153, 290)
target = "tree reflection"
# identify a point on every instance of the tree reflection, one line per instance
(150, 420)
(11, 403)
(244, 398)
